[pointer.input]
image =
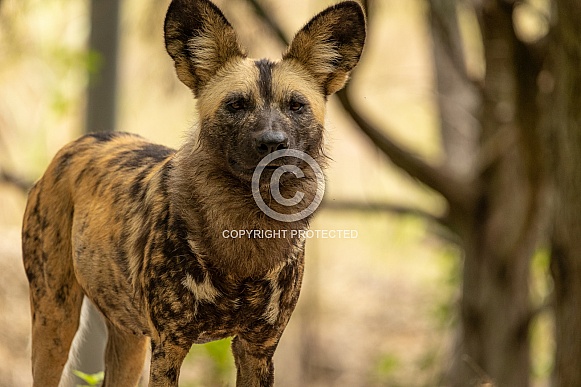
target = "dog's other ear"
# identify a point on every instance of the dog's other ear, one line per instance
(200, 40)
(329, 46)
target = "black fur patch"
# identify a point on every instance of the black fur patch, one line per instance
(62, 165)
(265, 78)
(104, 136)
(135, 158)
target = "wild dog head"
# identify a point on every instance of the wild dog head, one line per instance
(249, 108)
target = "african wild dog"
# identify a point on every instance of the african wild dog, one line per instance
(137, 227)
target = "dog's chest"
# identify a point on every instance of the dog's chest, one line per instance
(198, 305)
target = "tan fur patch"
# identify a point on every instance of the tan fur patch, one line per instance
(214, 47)
(204, 291)
(239, 75)
(314, 51)
(273, 307)
(287, 76)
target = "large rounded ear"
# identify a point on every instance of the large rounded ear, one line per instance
(330, 45)
(200, 40)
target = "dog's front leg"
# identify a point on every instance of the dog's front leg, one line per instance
(166, 361)
(254, 364)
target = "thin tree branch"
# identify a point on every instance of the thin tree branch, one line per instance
(343, 205)
(444, 22)
(438, 225)
(457, 97)
(458, 194)
(266, 18)
(445, 27)
(16, 181)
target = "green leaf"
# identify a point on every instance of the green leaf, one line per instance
(91, 379)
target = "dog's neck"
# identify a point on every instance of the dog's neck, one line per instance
(226, 228)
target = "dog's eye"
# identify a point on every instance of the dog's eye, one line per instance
(236, 105)
(296, 106)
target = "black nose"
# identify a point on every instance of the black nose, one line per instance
(270, 141)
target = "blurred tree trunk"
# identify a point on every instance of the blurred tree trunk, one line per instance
(564, 110)
(499, 229)
(457, 97)
(103, 43)
(100, 116)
